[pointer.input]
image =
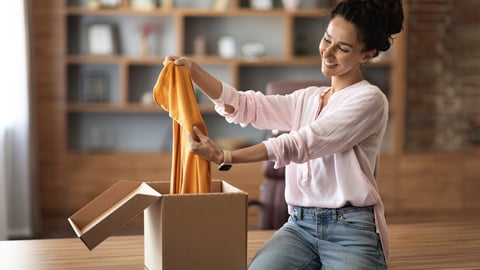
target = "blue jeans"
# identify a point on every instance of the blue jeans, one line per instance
(320, 238)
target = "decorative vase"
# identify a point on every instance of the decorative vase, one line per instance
(144, 47)
(200, 46)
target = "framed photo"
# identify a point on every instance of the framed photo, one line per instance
(101, 39)
(95, 86)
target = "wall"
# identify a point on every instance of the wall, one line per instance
(437, 174)
(46, 45)
(443, 74)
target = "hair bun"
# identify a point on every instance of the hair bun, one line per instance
(393, 12)
(376, 20)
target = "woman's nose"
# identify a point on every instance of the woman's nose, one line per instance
(325, 50)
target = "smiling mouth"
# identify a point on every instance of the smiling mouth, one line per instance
(328, 64)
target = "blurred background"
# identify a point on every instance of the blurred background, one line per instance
(77, 113)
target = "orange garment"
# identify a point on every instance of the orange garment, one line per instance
(174, 92)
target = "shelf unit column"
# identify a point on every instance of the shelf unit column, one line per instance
(124, 3)
(289, 37)
(398, 83)
(234, 71)
(124, 81)
(180, 24)
(234, 4)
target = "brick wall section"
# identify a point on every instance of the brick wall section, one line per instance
(443, 74)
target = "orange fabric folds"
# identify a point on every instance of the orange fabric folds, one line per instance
(174, 92)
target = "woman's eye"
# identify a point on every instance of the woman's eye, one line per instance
(345, 50)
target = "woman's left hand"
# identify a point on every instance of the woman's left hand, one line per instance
(205, 147)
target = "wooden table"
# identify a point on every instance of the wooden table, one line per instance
(117, 252)
(440, 245)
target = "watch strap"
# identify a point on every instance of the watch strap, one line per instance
(227, 161)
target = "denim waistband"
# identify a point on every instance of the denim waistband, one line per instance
(304, 212)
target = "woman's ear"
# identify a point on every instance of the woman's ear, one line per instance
(369, 55)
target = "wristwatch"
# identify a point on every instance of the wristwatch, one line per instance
(227, 161)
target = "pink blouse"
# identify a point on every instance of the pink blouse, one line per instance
(330, 157)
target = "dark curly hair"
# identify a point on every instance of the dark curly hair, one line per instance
(375, 20)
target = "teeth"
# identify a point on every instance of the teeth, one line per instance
(330, 64)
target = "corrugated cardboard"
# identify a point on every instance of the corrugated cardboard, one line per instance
(182, 231)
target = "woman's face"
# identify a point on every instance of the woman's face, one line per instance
(341, 51)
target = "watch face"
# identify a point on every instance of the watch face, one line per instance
(224, 167)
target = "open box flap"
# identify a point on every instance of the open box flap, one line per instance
(111, 210)
(217, 186)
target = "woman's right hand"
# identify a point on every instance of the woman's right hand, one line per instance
(179, 61)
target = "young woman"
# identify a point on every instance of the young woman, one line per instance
(336, 214)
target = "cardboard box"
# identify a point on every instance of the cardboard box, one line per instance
(182, 231)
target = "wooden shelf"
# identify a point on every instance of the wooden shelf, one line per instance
(186, 12)
(96, 59)
(126, 108)
(209, 60)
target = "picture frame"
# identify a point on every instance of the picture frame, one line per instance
(95, 86)
(101, 39)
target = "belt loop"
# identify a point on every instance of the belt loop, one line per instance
(296, 213)
(335, 213)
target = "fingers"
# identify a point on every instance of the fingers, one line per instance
(204, 146)
(196, 139)
(169, 58)
(199, 143)
(199, 133)
(194, 144)
(178, 60)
